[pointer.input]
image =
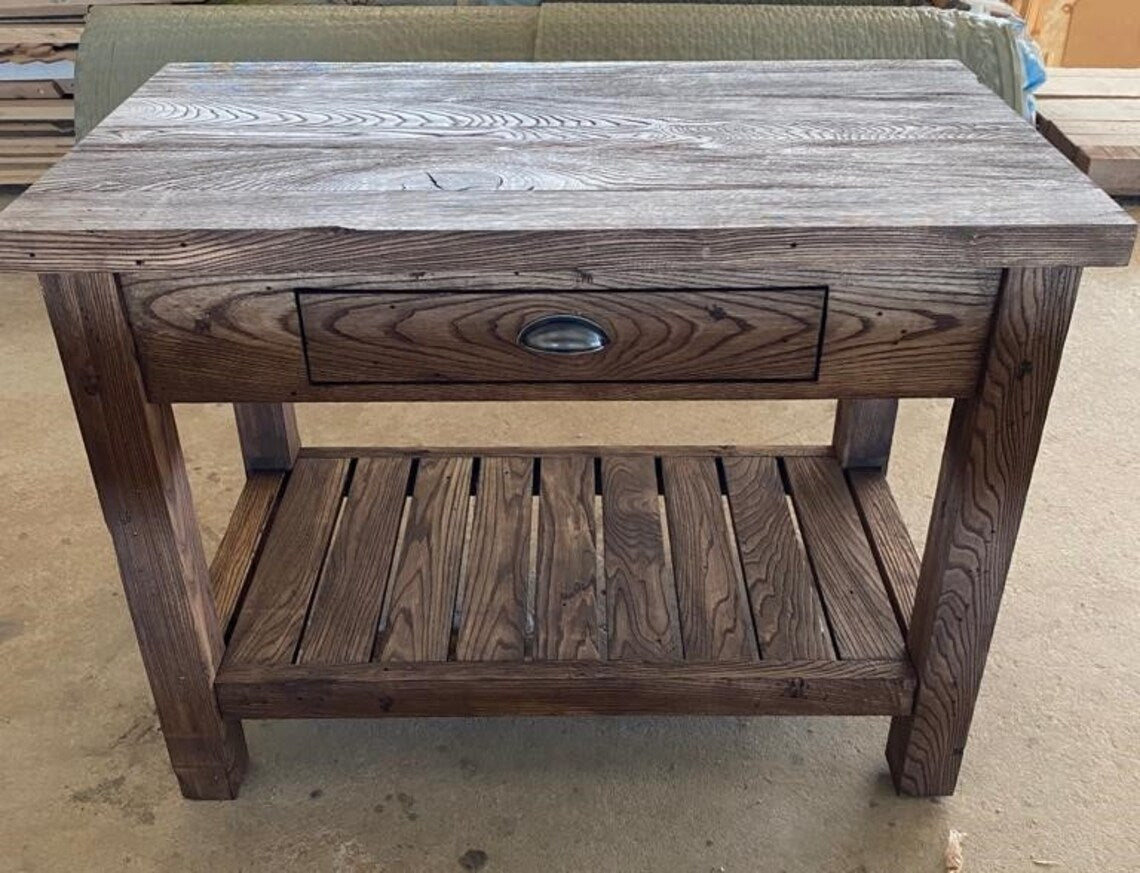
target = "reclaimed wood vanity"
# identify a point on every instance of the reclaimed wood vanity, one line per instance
(266, 234)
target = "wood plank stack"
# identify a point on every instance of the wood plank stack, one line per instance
(37, 64)
(1093, 117)
(39, 40)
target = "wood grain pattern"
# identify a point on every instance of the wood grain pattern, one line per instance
(470, 337)
(715, 620)
(492, 625)
(986, 469)
(889, 539)
(790, 623)
(238, 549)
(864, 431)
(567, 688)
(350, 592)
(918, 333)
(273, 168)
(641, 599)
(567, 569)
(268, 629)
(268, 435)
(422, 598)
(858, 609)
(144, 493)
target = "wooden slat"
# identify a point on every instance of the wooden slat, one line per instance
(858, 608)
(641, 600)
(37, 110)
(36, 89)
(346, 608)
(269, 625)
(566, 626)
(422, 600)
(889, 540)
(715, 620)
(229, 571)
(493, 620)
(567, 688)
(790, 623)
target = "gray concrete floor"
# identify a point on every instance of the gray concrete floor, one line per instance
(1051, 776)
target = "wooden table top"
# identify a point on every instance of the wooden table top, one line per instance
(286, 167)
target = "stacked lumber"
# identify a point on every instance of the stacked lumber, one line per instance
(38, 43)
(37, 68)
(1093, 117)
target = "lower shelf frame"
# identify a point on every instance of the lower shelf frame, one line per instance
(547, 688)
(788, 585)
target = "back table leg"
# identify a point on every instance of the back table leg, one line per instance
(137, 464)
(864, 430)
(986, 467)
(268, 435)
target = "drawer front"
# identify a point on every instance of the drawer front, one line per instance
(658, 336)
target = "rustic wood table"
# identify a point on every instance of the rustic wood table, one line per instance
(268, 233)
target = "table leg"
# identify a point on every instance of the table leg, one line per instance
(268, 435)
(986, 467)
(140, 476)
(864, 430)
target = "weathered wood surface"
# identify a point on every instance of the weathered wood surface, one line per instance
(655, 336)
(918, 332)
(566, 688)
(144, 492)
(986, 469)
(272, 168)
(635, 559)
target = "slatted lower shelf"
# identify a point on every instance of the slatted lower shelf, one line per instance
(686, 581)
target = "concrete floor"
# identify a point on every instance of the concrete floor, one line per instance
(1051, 779)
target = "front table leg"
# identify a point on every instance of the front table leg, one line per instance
(137, 464)
(986, 467)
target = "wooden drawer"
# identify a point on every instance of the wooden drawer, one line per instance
(656, 336)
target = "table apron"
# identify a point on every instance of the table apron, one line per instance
(707, 334)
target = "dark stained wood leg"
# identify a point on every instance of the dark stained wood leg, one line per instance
(986, 468)
(140, 475)
(268, 435)
(864, 430)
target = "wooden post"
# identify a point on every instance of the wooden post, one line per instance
(140, 476)
(986, 467)
(864, 430)
(268, 435)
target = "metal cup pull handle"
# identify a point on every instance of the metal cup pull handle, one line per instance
(563, 335)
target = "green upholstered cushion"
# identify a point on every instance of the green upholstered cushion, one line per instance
(123, 46)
